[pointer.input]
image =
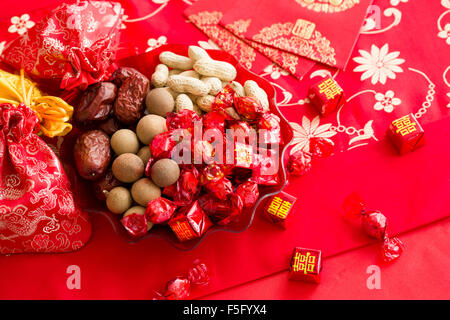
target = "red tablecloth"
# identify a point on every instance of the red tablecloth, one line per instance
(411, 190)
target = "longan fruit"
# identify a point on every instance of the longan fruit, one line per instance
(124, 141)
(145, 154)
(159, 101)
(128, 167)
(118, 200)
(165, 172)
(144, 190)
(149, 127)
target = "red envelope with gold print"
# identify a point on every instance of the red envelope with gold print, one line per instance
(321, 30)
(206, 14)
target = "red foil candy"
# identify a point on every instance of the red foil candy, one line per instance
(160, 210)
(183, 119)
(279, 207)
(178, 289)
(321, 147)
(162, 145)
(248, 107)
(265, 167)
(406, 134)
(374, 224)
(305, 265)
(135, 224)
(249, 193)
(191, 222)
(269, 129)
(299, 163)
(220, 189)
(199, 274)
(187, 186)
(224, 100)
(326, 96)
(214, 119)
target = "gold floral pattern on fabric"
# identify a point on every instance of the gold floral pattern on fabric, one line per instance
(328, 6)
(285, 36)
(208, 23)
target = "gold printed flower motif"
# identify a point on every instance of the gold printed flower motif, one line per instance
(327, 6)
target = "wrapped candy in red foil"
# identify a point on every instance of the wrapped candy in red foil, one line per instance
(73, 46)
(187, 186)
(178, 289)
(190, 222)
(374, 224)
(224, 100)
(265, 167)
(237, 204)
(321, 147)
(269, 128)
(198, 274)
(243, 155)
(203, 152)
(249, 193)
(220, 189)
(249, 108)
(241, 129)
(222, 212)
(214, 119)
(160, 210)
(162, 145)
(406, 134)
(299, 163)
(305, 265)
(326, 96)
(135, 224)
(279, 207)
(184, 119)
(212, 173)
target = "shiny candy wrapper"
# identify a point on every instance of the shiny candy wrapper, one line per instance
(305, 265)
(279, 208)
(321, 147)
(220, 189)
(187, 186)
(374, 224)
(248, 108)
(162, 145)
(178, 289)
(214, 119)
(224, 100)
(299, 163)
(184, 119)
(135, 224)
(269, 130)
(190, 222)
(406, 134)
(249, 193)
(326, 96)
(265, 167)
(160, 210)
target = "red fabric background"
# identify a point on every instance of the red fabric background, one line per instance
(411, 190)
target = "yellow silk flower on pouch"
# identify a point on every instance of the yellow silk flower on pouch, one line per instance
(52, 112)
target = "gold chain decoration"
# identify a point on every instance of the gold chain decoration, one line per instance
(52, 112)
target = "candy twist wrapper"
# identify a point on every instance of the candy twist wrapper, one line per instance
(374, 224)
(180, 287)
(38, 212)
(71, 47)
(52, 112)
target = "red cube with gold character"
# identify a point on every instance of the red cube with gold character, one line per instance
(306, 265)
(279, 207)
(406, 134)
(326, 96)
(190, 223)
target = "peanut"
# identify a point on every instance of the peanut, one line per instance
(197, 53)
(183, 102)
(190, 73)
(213, 68)
(187, 85)
(175, 61)
(205, 102)
(238, 88)
(173, 93)
(198, 110)
(214, 83)
(252, 89)
(159, 77)
(174, 72)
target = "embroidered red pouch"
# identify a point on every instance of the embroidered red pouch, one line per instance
(37, 209)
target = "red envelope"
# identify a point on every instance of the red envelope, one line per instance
(206, 14)
(315, 29)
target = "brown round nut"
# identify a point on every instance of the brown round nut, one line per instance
(144, 190)
(159, 101)
(149, 127)
(118, 200)
(145, 154)
(92, 154)
(128, 167)
(138, 210)
(165, 172)
(124, 141)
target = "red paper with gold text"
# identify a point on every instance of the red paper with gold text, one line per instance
(318, 29)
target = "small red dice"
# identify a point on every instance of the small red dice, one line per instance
(326, 96)
(279, 207)
(190, 223)
(406, 134)
(306, 265)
